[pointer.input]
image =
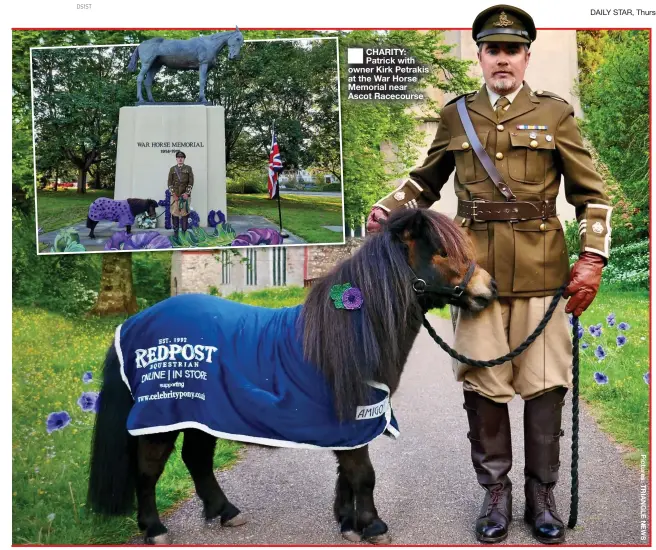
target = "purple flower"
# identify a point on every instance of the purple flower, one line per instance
(194, 219)
(87, 377)
(571, 320)
(624, 326)
(595, 330)
(212, 216)
(600, 378)
(57, 421)
(611, 320)
(621, 340)
(600, 353)
(352, 298)
(147, 240)
(255, 236)
(647, 378)
(580, 332)
(116, 241)
(87, 401)
(585, 345)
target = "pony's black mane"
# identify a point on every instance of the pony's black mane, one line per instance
(372, 343)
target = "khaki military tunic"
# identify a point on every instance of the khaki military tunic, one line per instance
(529, 257)
(180, 181)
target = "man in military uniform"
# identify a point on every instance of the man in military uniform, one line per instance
(180, 184)
(531, 139)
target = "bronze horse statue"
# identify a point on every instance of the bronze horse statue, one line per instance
(351, 343)
(195, 53)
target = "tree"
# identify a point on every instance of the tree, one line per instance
(615, 95)
(116, 295)
(367, 126)
(77, 96)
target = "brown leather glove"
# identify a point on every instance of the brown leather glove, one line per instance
(376, 215)
(584, 282)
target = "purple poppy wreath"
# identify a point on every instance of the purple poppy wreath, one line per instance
(346, 296)
(254, 237)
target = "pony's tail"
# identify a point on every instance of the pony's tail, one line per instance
(132, 66)
(112, 479)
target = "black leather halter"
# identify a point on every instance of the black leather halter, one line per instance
(453, 293)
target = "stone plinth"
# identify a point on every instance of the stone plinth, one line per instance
(148, 138)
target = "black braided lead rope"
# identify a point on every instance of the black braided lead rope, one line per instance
(514, 353)
(574, 502)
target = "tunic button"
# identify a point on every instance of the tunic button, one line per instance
(543, 227)
(533, 144)
(499, 156)
(465, 145)
(500, 127)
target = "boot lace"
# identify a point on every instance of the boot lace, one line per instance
(496, 497)
(545, 498)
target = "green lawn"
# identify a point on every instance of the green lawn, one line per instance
(303, 215)
(59, 209)
(50, 471)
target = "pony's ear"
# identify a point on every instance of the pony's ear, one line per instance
(236, 28)
(409, 227)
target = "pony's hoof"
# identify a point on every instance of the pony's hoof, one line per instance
(238, 520)
(385, 538)
(159, 539)
(351, 536)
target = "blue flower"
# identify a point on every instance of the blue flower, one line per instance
(600, 378)
(571, 320)
(621, 340)
(581, 331)
(624, 326)
(595, 330)
(647, 378)
(87, 377)
(600, 353)
(87, 401)
(585, 345)
(610, 319)
(57, 421)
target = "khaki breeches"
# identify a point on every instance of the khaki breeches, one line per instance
(176, 210)
(500, 328)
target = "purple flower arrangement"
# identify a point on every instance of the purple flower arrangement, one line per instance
(166, 203)
(256, 237)
(215, 218)
(194, 219)
(121, 240)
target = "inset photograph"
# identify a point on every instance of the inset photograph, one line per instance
(187, 140)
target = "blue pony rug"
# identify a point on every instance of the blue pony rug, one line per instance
(236, 372)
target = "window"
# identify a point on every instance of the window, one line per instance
(225, 267)
(279, 266)
(251, 267)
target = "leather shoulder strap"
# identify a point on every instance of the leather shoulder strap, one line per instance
(482, 155)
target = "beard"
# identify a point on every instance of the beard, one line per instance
(503, 85)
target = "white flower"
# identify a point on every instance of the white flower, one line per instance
(51, 517)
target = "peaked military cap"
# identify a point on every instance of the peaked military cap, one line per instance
(504, 23)
(180, 154)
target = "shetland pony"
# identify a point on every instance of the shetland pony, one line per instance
(122, 212)
(419, 261)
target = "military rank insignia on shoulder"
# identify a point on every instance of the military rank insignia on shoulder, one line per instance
(544, 93)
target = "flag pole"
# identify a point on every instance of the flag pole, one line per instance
(283, 234)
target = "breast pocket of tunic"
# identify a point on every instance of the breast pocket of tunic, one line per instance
(468, 168)
(528, 157)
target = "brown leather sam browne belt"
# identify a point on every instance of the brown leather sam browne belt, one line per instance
(482, 211)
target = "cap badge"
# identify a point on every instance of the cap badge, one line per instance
(399, 195)
(503, 20)
(598, 228)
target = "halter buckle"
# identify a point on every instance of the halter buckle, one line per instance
(458, 291)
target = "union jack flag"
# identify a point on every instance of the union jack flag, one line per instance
(275, 167)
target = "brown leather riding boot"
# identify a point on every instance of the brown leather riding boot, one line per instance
(176, 224)
(491, 452)
(542, 433)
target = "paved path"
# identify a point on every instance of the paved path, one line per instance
(104, 230)
(426, 490)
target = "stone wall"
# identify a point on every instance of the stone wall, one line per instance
(323, 258)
